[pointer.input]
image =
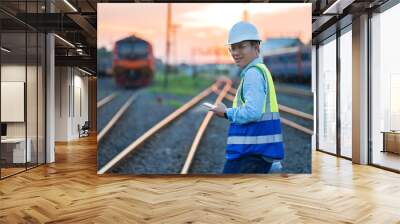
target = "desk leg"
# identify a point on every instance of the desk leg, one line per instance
(384, 142)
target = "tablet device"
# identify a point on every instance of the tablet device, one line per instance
(209, 105)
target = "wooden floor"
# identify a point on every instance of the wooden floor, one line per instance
(70, 191)
(10, 171)
(387, 159)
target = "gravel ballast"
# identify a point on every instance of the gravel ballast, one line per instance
(165, 152)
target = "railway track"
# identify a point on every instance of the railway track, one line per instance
(111, 108)
(287, 89)
(133, 146)
(224, 93)
(106, 100)
(116, 117)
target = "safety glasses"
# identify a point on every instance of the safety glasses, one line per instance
(241, 47)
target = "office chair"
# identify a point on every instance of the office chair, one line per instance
(84, 130)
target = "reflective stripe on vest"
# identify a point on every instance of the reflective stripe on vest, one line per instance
(264, 136)
(255, 139)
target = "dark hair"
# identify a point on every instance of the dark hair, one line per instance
(254, 42)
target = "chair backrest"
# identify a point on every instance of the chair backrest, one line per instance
(86, 125)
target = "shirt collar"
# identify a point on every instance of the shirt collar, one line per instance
(253, 62)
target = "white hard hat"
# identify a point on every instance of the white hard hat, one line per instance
(242, 31)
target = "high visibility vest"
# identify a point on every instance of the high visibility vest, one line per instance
(262, 137)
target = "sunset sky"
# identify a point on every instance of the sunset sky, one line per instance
(201, 28)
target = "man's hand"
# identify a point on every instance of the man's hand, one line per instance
(219, 110)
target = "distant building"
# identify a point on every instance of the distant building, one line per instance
(219, 69)
(288, 59)
(274, 44)
(185, 69)
(104, 61)
(159, 64)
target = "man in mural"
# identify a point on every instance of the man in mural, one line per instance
(254, 141)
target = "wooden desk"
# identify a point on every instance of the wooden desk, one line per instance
(391, 141)
(16, 147)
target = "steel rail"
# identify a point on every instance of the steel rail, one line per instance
(106, 100)
(202, 129)
(116, 117)
(135, 144)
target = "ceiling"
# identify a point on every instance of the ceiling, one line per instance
(76, 22)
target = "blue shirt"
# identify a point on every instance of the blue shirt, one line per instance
(254, 93)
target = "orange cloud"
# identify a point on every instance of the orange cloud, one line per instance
(199, 27)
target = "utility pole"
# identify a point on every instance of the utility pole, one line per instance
(245, 15)
(174, 42)
(168, 46)
(194, 74)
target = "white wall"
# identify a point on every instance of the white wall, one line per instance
(61, 103)
(71, 87)
(33, 127)
(14, 73)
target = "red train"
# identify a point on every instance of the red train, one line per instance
(133, 62)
